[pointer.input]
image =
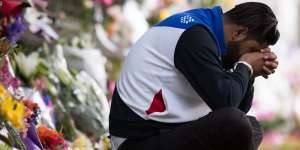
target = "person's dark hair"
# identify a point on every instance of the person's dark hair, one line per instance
(259, 18)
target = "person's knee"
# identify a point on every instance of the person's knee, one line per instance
(227, 122)
(227, 128)
(257, 131)
(237, 124)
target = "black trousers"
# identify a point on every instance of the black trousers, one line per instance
(224, 129)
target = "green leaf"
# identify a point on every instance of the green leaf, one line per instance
(14, 136)
(5, 147)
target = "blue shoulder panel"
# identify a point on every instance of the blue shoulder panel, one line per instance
(209, 18)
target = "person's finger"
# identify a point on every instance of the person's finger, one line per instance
(270, 56)
(271, 65)
(265, 50)
(274, 65)
(267, 70)
(276, 62)
(265, 76)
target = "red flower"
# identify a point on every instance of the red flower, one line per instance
(12, 7)
(51, 139)
(31, 105)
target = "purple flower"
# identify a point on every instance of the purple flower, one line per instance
(15, 29)
(32, 140)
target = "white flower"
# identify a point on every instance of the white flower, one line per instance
(27, 64)
(59, 65)
(39, 21)
(100, 103)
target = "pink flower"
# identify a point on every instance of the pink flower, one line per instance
(105, 2)
(272, 138)
(40, 83)
(41, 3)
(264, 116)
(5, 76)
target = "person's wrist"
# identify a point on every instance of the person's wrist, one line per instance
(246, 64)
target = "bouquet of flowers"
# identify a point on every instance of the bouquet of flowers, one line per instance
(82, 106)
(83, 99)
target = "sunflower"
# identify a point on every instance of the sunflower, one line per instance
(3, 93)
(11, 110)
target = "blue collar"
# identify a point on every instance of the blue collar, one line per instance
(211, 18)
(217, 27)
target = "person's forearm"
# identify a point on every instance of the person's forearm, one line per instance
(246, 103)
(200, 63)
(234, 89)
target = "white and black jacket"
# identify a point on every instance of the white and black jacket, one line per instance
(174, 75)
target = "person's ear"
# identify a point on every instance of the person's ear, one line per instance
(239, 33)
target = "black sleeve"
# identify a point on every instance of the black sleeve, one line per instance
(197, 58)
(246, 103)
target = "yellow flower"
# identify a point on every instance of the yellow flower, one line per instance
(82, 143)
(3, 93)
(164, 13)
(12, 110)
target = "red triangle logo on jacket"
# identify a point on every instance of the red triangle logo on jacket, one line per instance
(157, 104)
